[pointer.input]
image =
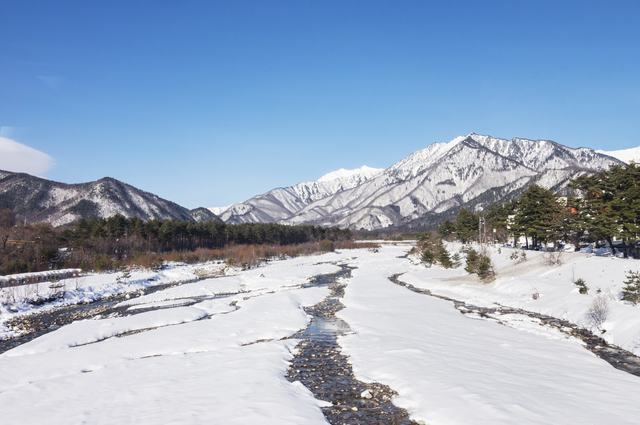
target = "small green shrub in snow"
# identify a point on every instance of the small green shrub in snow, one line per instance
(580, 283)
(479, 263)
(428, 258)
(444, 257)
(327, 245)
(472, 261)
(631, 290)
(455, 260)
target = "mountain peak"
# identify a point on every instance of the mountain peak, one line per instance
(343, 173)
(624, 155)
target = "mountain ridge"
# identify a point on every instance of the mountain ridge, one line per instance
(446, 176)
(36, 199)
(280, 203)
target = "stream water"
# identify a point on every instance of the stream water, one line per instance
(326, 372)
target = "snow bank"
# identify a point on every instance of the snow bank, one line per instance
(227, 368)
(450, 368)
(558, 295)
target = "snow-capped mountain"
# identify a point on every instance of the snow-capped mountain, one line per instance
(281, 203)
(36, 199)
(471, 171)
(624, 155)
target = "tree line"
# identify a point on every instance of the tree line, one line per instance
(43, 247)
(608, 208)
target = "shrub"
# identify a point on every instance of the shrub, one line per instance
(428, 258)
(479, 263)
(485, 267)
(124, 276)
(598, 311)
(327, 245)
(631, 290)
(552, 258)
(472, 261)
(519, 257)
(102, 263)
(580, 283)
(444, 258)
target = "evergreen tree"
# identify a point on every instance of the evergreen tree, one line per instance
(631, 290)
(444, 257)
(466, 225)
(538, 214)
(446, 229)
(611, 204)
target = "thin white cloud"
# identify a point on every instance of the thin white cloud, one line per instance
(17, 157)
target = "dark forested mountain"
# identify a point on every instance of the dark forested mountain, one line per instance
(36, 199)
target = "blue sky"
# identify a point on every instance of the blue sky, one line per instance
(209, 103)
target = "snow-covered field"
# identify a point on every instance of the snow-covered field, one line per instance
(223, 360)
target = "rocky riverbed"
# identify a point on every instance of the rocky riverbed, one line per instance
(326, 372)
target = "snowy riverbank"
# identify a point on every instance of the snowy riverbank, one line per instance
(200, 358)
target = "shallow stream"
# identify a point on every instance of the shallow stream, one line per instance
(327, 373)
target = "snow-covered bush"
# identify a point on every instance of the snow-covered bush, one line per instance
(519, 257)
(552, 258)
(598, 311)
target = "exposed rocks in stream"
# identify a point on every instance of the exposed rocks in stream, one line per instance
(616, 356)
(326, 372)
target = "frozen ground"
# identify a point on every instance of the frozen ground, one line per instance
(223, 360)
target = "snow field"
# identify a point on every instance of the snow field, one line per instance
(453, 369)
(92, 287)
(558, 295)
(214, 362)
(228, 368)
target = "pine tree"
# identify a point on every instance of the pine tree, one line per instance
(611, 203)
(538, 214)
(631, 290)
(443, 257)
(466, 225)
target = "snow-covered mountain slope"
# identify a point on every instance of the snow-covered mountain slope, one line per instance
(218, 210)
(471, 171)
(624, 155)
(279, 204)
(37, 199)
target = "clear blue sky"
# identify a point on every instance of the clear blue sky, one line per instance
(209, 103)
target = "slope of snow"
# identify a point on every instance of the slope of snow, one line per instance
(624, 155)
(279, 204)
(359, 173)
(218, 210)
